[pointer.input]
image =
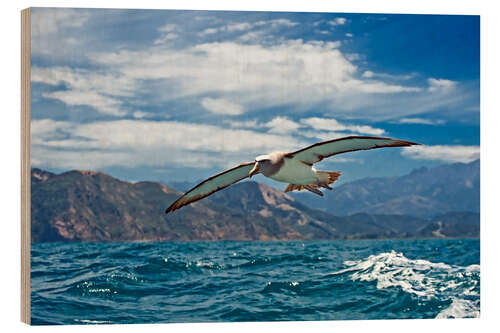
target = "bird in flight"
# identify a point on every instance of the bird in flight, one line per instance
(295, 168)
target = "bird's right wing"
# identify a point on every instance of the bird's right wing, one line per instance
(321, 150)
(212, 185)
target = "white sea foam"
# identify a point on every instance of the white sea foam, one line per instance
(460, 308)
(87, 321)
(422, 278)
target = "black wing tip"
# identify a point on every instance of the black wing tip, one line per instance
(409, 143)
(350, 137)
(399, 141)
(172, 208)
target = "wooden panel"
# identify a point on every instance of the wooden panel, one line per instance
(25, 166)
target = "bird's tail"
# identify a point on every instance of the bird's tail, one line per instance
(326, 178)
(293, 187)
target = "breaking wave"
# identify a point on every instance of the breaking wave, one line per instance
(423, 278)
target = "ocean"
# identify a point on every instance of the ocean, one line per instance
(111, 283)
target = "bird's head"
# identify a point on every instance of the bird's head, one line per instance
(260, 161)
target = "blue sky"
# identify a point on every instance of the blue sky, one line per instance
(180, 95)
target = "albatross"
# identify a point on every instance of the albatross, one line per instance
(296, 169)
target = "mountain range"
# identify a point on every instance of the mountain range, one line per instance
(424, 192)
(93, 206)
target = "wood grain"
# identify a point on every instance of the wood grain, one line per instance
(25, 165)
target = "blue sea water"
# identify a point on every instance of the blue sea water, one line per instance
(108, 283)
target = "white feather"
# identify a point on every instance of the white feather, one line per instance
(295, 172)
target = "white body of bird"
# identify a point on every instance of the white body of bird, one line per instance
(296, 172)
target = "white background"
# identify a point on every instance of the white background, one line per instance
(490, 92)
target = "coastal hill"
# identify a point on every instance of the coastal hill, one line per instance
(93, 206)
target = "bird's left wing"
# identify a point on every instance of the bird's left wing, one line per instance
(321, 150)
(212, 185)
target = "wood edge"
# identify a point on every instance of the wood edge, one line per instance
(25, 165)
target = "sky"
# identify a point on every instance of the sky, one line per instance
(177, 96)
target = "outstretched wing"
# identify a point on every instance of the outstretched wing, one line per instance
(321, 150)
(212, 185)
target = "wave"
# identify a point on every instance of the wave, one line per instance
(456, 285)
(241, 281)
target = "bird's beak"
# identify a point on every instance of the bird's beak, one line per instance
(254, 170)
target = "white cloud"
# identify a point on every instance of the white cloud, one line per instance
(444, 153)
(324, 128)
(330, 124)
(141, 114)
(297, 73)
(85, 80)
(246, 27)
(278, 23)
(45, 21)
(166, 37)
(169, 27)
(166, 33)
(422, 121)
(101, 91)
(378, 87)
(243, 124)
(208, 31)
(282, 125)
(289, 72)
(337, 21)
(254, 36)
(132, 143)
(441, 84)
(367, 74)
(322, 135)
(371, 75)
(45, 129)
(221, 106)
(89, 98)
(55, 31)
(364, 129)
(352, 56)
(239, 26)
